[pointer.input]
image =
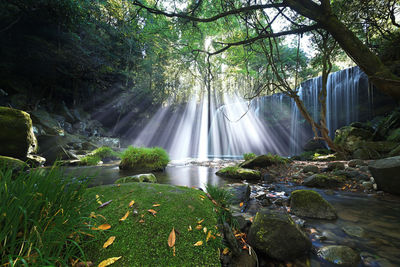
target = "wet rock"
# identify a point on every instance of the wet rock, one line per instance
(370, 260)
(230, 239)
(322, 181)
(335, 166)
(349, 137)
(354, 230)
(16, 133)
(313, 144)
(15, 164)
(240, 192)
(366, 153)
(311, 168)
(268, 178)
(245, 260)
(107, 141)
(308, 203)
(364, 169)
(275, 234)
(146, 178)
(367, 185)
(340, 255)
(51, 124)
(356, 162)
(386, 173)
(35, 160)
(239, 173)
(262, 161)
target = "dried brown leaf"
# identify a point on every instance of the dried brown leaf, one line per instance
(171, 238)
(109, 261)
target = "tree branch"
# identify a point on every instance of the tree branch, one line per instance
(210, 19)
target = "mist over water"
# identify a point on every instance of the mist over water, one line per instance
(264, 124)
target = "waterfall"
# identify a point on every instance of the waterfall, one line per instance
(265, 124)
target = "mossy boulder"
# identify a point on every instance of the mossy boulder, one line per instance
(239, 173)
(263, 161)
(323, 181)
(366, 153)
(335, 166)
(311, 168)
(349, 137)
(146, 178)
(16, 135)
(240, 192)
(310, 204)
(48, 122)
(278, 236)
(340, 255)
(15, 164)
(144, 159)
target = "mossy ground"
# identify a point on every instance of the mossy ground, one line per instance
(99, 154)
(145, 244)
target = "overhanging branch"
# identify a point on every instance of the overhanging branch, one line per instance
(210, 19)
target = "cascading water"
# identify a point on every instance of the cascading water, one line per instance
(266, 124)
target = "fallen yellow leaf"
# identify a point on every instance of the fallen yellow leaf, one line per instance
(199, 227)
(241, 204)
(171, 238)
(98, 200)
(173, 251)
(156, 205)
(205, 230)
(199, 222)
(131, 203)
(92, 215)
(203, 197)
(208, 236)
(118, 185)
(109, 241)
(190, 228)
(109, 261)
(152, 211)
(225, 251)
(198, 243)
(141, 221)
(125, 216)
(105, 226)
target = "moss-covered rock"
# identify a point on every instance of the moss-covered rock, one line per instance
(277, 235)
(239, 173)
(340, 255)
(323, 181)
(366, 153)
(16, 135)
(263, 161)
(144, 159)
(308, 203)
(146, 178)
(14, 164)
(349, 137)
(335, 166)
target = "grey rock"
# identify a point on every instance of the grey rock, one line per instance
(340, 255)
(335, 166)
(386, 173)
(322, 181)
(356, 162)
(311, 168)
(354, 230)
(240, 192)
(310, 204)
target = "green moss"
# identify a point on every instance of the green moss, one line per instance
(236, 172)
(248, 156)
(144, 159)
(140, 178)
(100, 154)
(16, 135)
(145, 244)
(309, 203)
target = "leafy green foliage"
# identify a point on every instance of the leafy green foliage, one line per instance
(248, 156)
(154, 158)
(40, 221)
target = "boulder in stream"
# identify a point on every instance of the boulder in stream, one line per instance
(263, 161)
(322, 181)
(308, 203)
(147, 178)
(16, 135)
(239, 173)
(340, 255)
(386, 173)
(278, 236)
(240, 192)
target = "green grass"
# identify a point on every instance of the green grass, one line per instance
(40, 219)
(145, 244)
(224, 198)
(99, 154)
(143, 158)
(248, 156)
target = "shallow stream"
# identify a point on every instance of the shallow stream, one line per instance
(377, 215)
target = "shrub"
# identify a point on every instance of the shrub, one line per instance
(100, 154)
(143, 158)
(40, 220)
(248, 156)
